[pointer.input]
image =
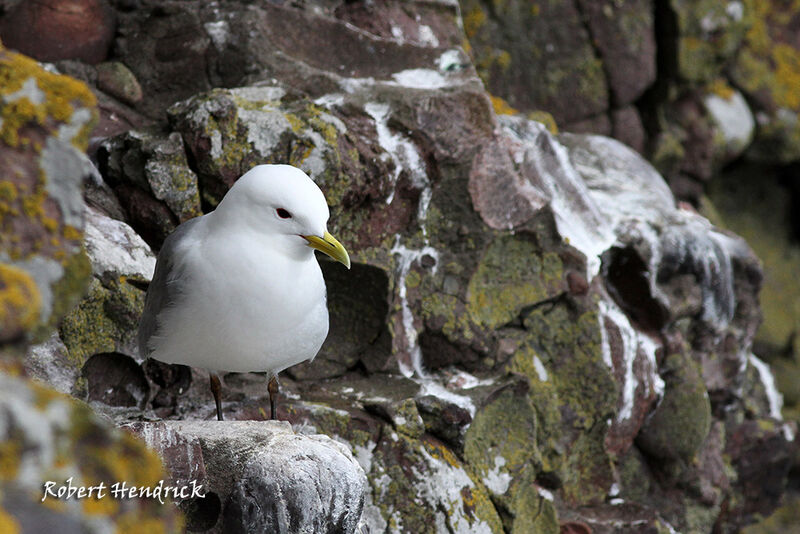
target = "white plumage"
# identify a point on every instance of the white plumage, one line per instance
(239, 289)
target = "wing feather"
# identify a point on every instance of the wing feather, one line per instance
(160, 293)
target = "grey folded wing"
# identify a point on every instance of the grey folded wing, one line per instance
(162, 291)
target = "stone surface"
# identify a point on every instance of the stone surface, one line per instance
(531, 316)
(623, 35)
(709, 35)
(47, 120)
(49, 436)
(117, 80)
(105, 320)
(50, 30)
(266, 477)
(766, 69)
(151, 172)
(513, 43)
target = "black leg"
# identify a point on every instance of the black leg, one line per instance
(216, 389)
(272, 387)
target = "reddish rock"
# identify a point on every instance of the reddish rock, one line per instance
(499, 193)
(50, 30)
(623, 34)
(626, 126)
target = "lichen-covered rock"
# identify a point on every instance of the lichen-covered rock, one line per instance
(765, 69)
(498, 354)
(680, 423)
(262, 476)
(709, 35)
(734, 123)
(151, 173)
(47, 436)
(46, 120)
(514, 42)
(612, 45)
(105, 320)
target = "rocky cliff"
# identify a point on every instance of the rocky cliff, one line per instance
(539, 334)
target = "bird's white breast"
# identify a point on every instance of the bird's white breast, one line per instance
(268, 310)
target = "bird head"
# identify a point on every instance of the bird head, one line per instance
(282, 202)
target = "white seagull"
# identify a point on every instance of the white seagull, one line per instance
(239, 289)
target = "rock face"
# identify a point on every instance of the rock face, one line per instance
(49, 118)
(50, 437)
(535, 335)
(260, 476)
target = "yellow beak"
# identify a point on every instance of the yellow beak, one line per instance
(329, 245)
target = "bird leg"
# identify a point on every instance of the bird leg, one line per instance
(216, 389)
(272, 387)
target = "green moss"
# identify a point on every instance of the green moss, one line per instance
(634, 476)
(544, 398)
(697, 59)
(699, 517)
(402, 481)
(570, 348)
(103, 321)
(339, 423)
(784, 520)
(573, 346)
(764, 225)
(680, 423)
(68, 290)
(448, 311)
(668, 153)
(702, 53)
(475, 503)
(86, 330)
(505, 429)
(512, 274)
(532, 513)
(587, 470)
(407, 418)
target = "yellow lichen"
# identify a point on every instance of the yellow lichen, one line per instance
(105, 506)
(72, 233)
(8, 524)
(440, 452)
(473, 20)
(17, 114)
(19, 298)
(33, 205)
(295, 122)
(50, 224)
(503, 58)
(10, 453)
(501, 107)
(721, 88)
(60, 96)
(545, 118)
(8, 191)
(133, 523)
(787, 76)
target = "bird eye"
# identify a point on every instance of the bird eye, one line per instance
(283, 214)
